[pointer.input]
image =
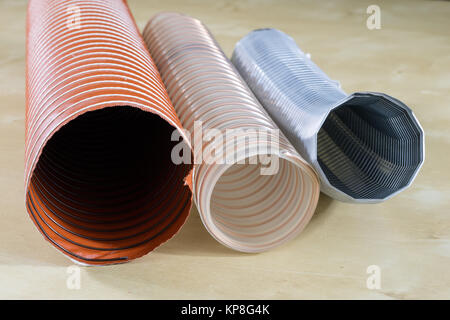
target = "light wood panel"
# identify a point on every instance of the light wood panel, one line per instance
(408, 237)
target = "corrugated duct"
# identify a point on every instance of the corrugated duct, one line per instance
(242, 208)
(366, 147)
(100, 183)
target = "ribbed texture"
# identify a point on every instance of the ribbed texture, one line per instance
(241, 208)
(100, 183)
(366, 147)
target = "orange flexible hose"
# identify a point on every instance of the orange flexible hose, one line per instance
(100, 184)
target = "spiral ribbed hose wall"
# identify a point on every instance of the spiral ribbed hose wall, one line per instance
(365, 146)
(100, 183)
(242, 208)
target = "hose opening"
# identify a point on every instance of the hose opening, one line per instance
(252, 212)
(105, 188)
(369, 147)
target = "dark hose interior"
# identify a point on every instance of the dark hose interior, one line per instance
(105, 188)
(369, 147)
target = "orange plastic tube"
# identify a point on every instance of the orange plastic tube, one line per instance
(100, 184)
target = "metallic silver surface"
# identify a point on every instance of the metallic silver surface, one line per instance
(366, 146)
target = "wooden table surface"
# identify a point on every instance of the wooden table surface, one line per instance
(407, 237)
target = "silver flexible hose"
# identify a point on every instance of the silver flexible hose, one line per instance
(366, 146)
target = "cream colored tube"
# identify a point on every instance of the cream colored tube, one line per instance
(240, 204)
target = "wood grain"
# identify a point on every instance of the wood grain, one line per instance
(408, 237)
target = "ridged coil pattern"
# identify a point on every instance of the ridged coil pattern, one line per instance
(239, 206)
(100, 183)
(366, 146)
